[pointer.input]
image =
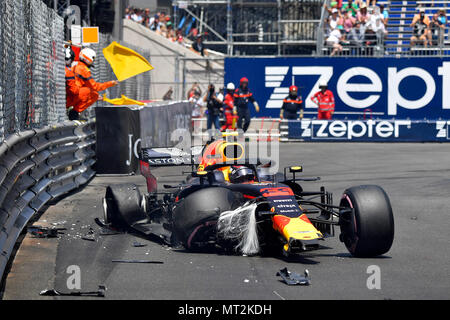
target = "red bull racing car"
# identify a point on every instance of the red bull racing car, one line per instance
(239, 206)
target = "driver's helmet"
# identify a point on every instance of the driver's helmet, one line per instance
(240, 174)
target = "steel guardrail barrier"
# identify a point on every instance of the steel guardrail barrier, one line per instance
(37, 166)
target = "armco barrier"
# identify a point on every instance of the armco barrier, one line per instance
(366, 130)
(37, 166)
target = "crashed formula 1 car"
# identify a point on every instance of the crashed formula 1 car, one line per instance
(238, 205)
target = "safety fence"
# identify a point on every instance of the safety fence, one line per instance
(32, 85)
(37, 166)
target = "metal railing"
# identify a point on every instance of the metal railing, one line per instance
(37, 166)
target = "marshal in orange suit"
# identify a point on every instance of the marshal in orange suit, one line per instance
(89, 88)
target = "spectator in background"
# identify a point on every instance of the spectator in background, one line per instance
(146, 18)
(442, 17)
(128, 11)
(168, 95)
(349, 23)
(199, 47)
(376, 25)
(372, 6)
(179, 37)
(350, 5)
(155, 25)
(334, 20)
(333, 40)
(385, 14)
(137, 16)
(362, 18)
(214, 104)
(421, 31)
(193, 90)
(169, 34)
(437, 29)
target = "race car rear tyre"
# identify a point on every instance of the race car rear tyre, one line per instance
(369, 230)
(122, 205)
(196, 215)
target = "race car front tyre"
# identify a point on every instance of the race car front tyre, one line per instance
(368, 229)
(123, 205)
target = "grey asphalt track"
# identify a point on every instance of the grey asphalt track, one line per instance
(415, 176)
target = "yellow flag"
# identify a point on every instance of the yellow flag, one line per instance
(125, 62)
(124, 101)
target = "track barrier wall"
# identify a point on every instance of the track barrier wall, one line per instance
(37, 166)
(122, 131)
(365, 130)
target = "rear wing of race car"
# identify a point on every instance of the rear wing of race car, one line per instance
(165, 157)
(169, 157)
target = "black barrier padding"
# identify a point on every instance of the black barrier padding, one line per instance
(63, 189)
(40, 157)
(17, 138)
(3, 174)
(87, 143)
(41, 185)
(24, 217)
(63, 162)
(72, 148)
(116, 127)
(40, 200)
(23, 150)
(3, 217)
(3, 193)
(13, 176)
(85, 154)
(40, 142)
(62, 178)
(85, 177)
(40, 171)
(23, 183)
(13, 214)
(24, 200)
(9, 159)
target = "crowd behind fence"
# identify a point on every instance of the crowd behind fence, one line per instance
(32, 84)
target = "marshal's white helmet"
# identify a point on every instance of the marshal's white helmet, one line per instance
(87, 55)
(230, 86)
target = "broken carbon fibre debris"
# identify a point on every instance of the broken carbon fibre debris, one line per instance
(105, 229)
(137, 244)
(52, 293)
(292, 278)
(44, 232)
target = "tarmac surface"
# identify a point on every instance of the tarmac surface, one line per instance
(415, 176)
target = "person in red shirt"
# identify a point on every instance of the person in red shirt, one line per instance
(229, 110)
(325, 101)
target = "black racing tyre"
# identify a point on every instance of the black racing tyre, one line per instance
(199, 212)
(123, 205)
(369, 232)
